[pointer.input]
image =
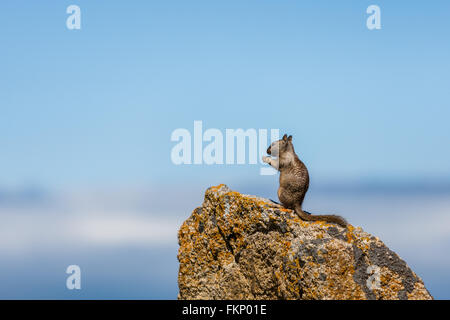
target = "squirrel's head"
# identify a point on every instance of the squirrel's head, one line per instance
(280, 146)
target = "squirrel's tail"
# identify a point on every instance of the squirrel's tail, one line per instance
(326, 217)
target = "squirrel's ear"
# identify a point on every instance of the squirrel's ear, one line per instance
(290, 138)
(285, 137)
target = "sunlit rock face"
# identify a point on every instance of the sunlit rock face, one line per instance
(238, 246)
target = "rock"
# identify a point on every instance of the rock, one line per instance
(244, 247)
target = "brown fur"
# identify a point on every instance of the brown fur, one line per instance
(294, 180)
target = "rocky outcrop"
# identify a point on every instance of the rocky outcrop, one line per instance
(243, 247)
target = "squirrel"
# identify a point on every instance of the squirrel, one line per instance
(294, 180)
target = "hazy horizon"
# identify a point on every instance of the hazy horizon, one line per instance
(125, 239)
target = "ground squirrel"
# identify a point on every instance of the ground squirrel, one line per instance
(294, 180)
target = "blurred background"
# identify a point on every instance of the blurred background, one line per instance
(86, 117)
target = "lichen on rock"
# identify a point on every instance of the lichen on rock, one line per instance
(238, 246)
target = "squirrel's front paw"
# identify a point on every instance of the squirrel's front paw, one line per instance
(266, 159)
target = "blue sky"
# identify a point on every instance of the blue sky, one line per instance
(99, 104)
(94, 109)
